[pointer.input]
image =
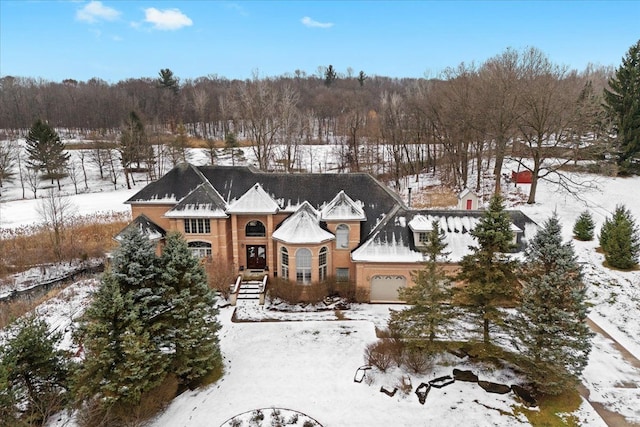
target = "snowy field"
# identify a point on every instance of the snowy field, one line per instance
(308, 366)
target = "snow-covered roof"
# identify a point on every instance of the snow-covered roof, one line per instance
(420, 224)
(343, 208)
(203, 202)
(466, 192)
(376, 250)
(254, 201)
(148, 228)
(303, 227)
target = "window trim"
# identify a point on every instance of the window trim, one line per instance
(284, 262)
(200, 249)
(323, 255)
(262, 232)
(197, 226)
(342, 277)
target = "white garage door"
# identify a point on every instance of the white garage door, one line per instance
(385, 288)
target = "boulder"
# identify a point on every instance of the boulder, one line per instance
(389, 393)
(466, 376)
(490, 387)
(524, 395)
(441, 381)
(422, 391)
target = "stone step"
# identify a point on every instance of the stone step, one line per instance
(248, 297)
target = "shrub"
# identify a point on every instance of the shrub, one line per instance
(381, 353)
(417, 360)
(220, 275)
(313, 293)
(404, 385)
(583, 228)
(285, 290)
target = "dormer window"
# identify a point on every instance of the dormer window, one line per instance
(255, 229)
(423, 238)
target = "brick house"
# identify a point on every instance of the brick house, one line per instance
(304, 227)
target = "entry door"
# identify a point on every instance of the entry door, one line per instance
(256, 257)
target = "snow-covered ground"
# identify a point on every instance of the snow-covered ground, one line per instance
(308, 365)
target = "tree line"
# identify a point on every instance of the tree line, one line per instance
(518, 104)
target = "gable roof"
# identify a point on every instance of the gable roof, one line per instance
(204, 201)
(148, 228)
(254, 201)
(342, 208)
(303, 226)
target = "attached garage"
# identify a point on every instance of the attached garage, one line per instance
(384, 288)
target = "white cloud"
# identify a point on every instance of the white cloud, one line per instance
(168, 19)
(95, 11)
(308, 22)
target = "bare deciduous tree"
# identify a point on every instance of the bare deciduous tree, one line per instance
(56, 210)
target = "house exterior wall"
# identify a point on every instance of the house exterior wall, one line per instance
(315, 256)
(154, 212)
(342, 256)
(463, 202)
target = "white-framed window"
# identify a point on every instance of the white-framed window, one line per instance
(255, 228)
(197, 226)
(284, 263)
(423, 238)
(342, 236)
(200, 249)
(342, 274)
(322, 264)
(303, 266)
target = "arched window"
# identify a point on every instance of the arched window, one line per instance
(342, 236)
(322, 264)
(200, 249)
(255, 229)
(284, 263)
(303, 266)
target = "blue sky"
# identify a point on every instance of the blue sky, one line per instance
(115, 40)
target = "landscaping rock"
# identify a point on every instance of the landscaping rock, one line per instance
(441, 381)
(524, 395)
(466, 376)
(361, 372)
(490, 387)
(389, 393)
(422, 391)
(459, 353)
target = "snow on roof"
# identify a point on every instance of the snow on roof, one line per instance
(148, 228)
(254, 201)
(343, 208)
(303, 227)
(466, 192)
(376, 250)
(203, 202)
(421, 224)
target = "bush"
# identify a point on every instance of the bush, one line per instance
(383, 352)
(583, 228)
(417, 360)
(285, 290)
(220, 276)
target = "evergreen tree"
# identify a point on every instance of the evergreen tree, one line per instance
(330, 76)
(46, 152)
(362, 77)
(584, 226)
(429, 314)
(189, 325)
(550, 329)
(619, 239)
(134, 147)
(121, 363)
(33, 371)
(623, 104)
(488, 271)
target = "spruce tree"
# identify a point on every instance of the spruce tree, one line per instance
(619, 239)
(121, 363)
(34, 371)
(430, 314)
(583, 228)
(550, 329)
(189, 325)
(46, 151)
(488, 271)
(622, 100)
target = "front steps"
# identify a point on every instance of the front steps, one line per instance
(249, 293)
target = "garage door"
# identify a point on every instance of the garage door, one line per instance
(385, 288)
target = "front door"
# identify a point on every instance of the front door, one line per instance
(256, 257)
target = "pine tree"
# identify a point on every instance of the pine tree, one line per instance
(550, 329)
(134, 147)
(429, 315)
(623, 104)
(488, 271)
(619, 239)
(330, 76)
(34, 371)
(584, 226)
(121, 363)
(189, 326)
(46, 151)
